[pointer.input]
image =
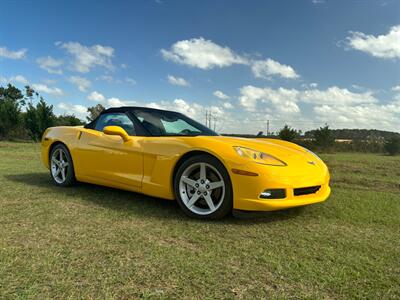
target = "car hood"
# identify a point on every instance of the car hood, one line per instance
(293, 155)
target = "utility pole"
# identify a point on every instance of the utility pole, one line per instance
(215, 122)
(206, 117)
(267, 127)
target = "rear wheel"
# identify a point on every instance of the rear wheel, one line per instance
(203, 188)
(61, 166)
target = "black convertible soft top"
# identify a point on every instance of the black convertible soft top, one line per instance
(123, 109)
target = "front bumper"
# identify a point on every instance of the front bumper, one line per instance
(247, 189)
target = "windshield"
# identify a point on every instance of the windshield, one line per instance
(168, 123)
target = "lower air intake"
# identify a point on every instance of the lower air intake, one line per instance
(306, 190)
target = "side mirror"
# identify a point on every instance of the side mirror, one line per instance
(116, 130)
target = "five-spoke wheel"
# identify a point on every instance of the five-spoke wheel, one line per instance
(203, 187)
(61, 166)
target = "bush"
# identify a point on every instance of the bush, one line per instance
(38, 119)
(68, 120)
(11, 99)
(288, 134)
(392, 146)
(324, 137)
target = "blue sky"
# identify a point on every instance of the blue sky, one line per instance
(304, 63)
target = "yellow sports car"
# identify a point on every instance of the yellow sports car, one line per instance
(168, 155)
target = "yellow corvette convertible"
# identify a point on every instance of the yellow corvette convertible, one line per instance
(168, 155)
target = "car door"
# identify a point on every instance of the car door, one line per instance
(107, 157)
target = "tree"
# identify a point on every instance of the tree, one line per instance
(94, 112)
(324, 137)
(68, 120)
(11, 100)
(288, 134)
(392, 145)
(38, 119)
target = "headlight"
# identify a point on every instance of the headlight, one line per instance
(259, 157)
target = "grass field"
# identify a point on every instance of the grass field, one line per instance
(95, 242)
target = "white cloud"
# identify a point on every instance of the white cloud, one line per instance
(14, 79)
(20, 79)
(86, 58)
(282, 100)
(269, 67)
(205, 54)
(318, 1)
(131, 81)
(107, 78)
(177, 81)
(81, 83)
(383, 46)
(49, 81)
(42, 88)
(221, 95)
(396, 88)
(79, 110)
(370, 115)
(18, 54)
(50, 64)
(337, 96)
(96, 96)
(286, 100)
(309, 85)
(339, 107)
(109, 102)
(202, 53)
(185, 108)
(116, 102)
(228, 105)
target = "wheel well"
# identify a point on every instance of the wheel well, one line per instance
(53, 145)
(187, 156)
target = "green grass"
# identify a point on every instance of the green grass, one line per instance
(94, 242)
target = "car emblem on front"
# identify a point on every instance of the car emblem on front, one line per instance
(312, 163)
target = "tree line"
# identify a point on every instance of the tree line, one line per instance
(26, 115)
(358, 140)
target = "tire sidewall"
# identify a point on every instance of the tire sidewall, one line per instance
(70, 176)
(226, 206)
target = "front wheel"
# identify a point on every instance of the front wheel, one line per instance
(61, 166)
(203, 188)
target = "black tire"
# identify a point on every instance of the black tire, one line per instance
(69, 170)
(225, 207)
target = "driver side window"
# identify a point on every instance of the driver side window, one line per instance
(116, 119)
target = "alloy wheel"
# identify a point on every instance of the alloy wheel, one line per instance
(59, 165)
(202, 188)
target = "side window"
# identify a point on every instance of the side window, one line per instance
(178, 126)
(115, 119)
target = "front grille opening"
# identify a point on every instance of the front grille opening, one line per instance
(306, 190)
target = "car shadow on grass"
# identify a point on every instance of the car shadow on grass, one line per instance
(139, 204)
